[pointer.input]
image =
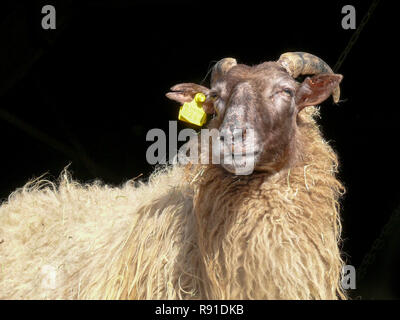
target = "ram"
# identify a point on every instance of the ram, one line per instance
(197, 231)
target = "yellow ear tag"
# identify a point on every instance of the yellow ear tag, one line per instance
(192, 112)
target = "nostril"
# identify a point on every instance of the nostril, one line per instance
(239, 134)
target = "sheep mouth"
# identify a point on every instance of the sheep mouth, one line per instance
(240, 163)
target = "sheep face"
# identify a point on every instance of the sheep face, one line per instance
(256, 110)
(259, 100)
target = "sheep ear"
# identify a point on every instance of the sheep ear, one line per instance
(185, 92)
(316, 89)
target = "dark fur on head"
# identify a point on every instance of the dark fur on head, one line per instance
(265, 98)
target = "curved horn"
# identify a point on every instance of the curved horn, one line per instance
(302, 63)
(221, 68)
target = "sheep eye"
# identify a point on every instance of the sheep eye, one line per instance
(213, 95)
(288, 91)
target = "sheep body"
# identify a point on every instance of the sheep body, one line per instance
(63, 242)
(186, 234)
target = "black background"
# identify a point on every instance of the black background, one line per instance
(97, 84)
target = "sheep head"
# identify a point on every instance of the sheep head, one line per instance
(264, 99)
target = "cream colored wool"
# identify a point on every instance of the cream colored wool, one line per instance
(189, 233)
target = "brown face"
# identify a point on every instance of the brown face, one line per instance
(256, 109)
(256, 99)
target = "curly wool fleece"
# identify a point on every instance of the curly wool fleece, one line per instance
(188, 233)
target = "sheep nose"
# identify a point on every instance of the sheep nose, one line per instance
(239, 135)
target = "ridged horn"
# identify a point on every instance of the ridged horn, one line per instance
(221, 68)
(302, 63)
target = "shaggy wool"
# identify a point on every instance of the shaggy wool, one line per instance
(194, 232)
